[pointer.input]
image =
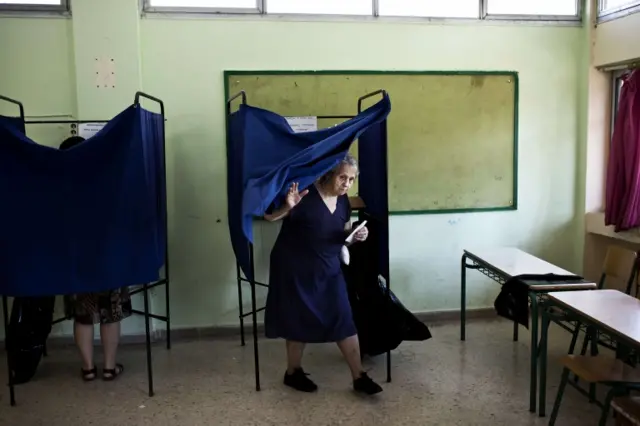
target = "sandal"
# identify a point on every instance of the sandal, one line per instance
(89, 375)
(109, 374)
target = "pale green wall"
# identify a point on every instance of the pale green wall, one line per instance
(36, 66)
(182, 60)
(586, 33)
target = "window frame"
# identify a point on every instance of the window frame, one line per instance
(513, 17)
(604, 15)
(63, 8)
(258, 10)
(616, 88)
(261, 11)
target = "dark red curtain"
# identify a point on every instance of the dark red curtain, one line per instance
(622, 208)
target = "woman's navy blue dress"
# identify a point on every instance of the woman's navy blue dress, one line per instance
(307, 300)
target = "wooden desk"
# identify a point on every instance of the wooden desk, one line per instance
(612, 311)
(500, 265)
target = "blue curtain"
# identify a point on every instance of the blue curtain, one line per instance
(13, 122)
(265, 156)
(235, 189)
(373, 186)
(86, 219)
(153, 140)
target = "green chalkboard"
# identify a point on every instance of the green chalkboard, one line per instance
(452, 136)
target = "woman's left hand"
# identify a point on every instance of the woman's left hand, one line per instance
(362, 234)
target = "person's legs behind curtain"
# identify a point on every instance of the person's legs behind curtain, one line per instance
(106, 309)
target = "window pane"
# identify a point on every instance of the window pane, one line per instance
(430, 8)
(608, 5)
(33, 2)
(321, 7)
(230, 4)
(529, 7)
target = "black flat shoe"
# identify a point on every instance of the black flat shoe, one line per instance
(89, 375)
(109, 374)
(299, 381)
(364, 384)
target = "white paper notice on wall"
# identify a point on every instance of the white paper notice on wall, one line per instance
(105, 72)
(303, 124)
(86, 130)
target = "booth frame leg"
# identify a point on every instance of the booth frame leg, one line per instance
(388, 352)
(168, 312)
(5, 313)
(254, 317)
(145, 292)
(240, 304)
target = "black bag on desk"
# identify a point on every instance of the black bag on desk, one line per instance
(383, 323)
(29, 328)
(513, 301)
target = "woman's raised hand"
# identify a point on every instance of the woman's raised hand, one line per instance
(294, 196)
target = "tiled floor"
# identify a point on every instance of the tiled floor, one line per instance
(483, 381)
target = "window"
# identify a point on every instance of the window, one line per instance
(323, 7)
(430, 8)
(611, 9)
(219, 6)
(205, 3)
(35, 5)
(549, 10)
(540, 8)
(617, 78)
(32, 2)
(617, 4)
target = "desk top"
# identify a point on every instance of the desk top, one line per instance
(613, 310)
(512, 261)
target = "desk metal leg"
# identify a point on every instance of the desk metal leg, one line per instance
(463, 297)
(592, 334)
(534, 352)
(543, 363)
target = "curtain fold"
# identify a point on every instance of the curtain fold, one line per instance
(622, 208)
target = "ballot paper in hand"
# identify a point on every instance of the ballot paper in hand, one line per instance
(351, 236)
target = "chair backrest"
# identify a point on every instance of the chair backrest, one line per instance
(619, 269)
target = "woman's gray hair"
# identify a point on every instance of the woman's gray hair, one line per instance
(348, 160)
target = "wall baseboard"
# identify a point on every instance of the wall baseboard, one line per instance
(233, 331)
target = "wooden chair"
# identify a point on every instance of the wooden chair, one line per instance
(602, 370)
(627, 410)
(619, 271)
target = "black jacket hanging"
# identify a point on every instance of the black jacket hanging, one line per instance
(29, 328)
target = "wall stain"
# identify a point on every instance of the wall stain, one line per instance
(477, 81)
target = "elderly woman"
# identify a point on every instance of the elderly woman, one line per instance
(307, 300)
